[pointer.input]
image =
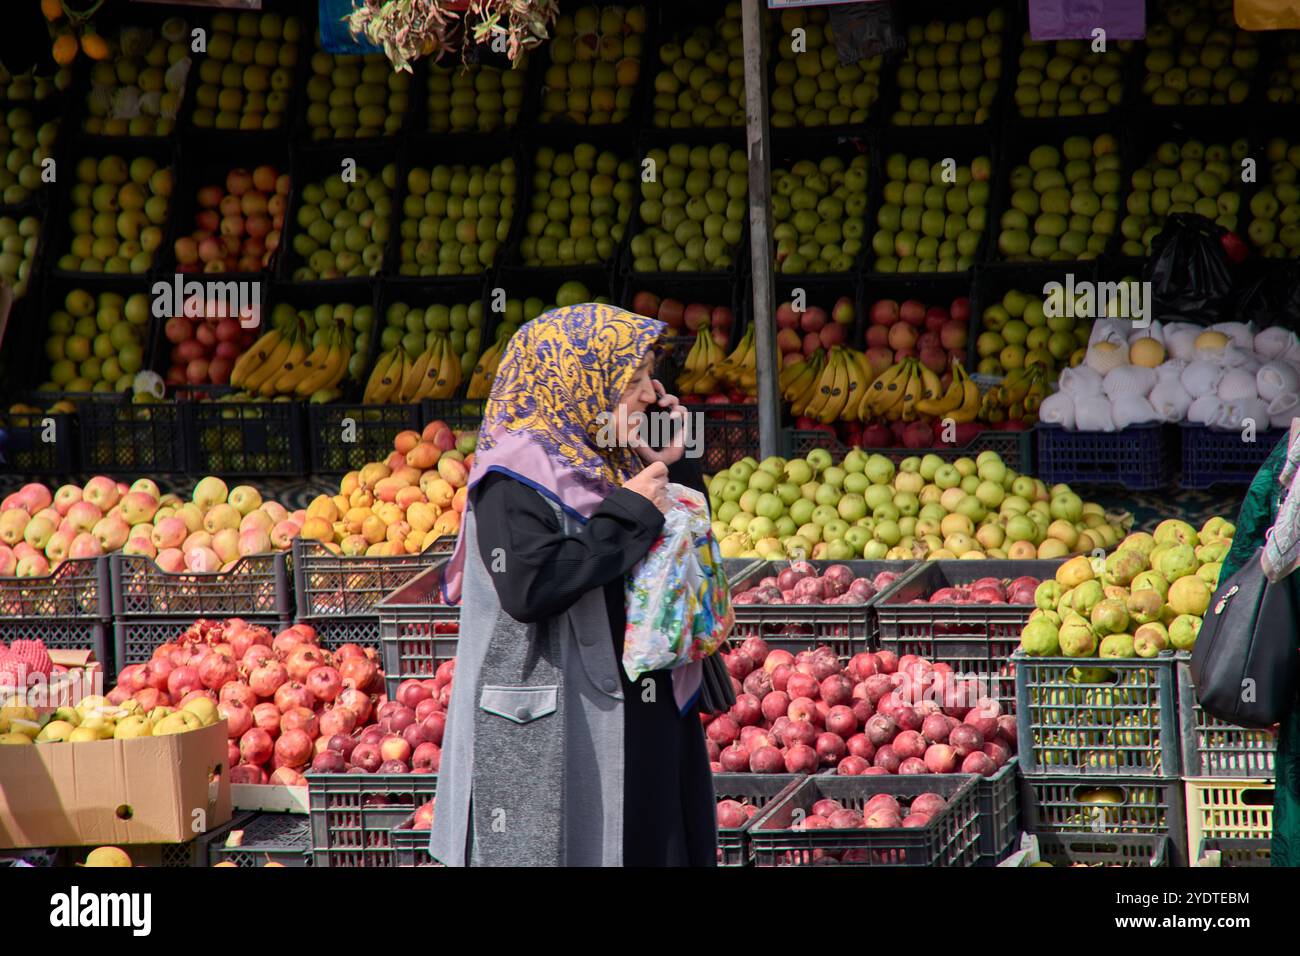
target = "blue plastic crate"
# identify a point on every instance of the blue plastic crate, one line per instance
(1213, 456)
(1140, 458)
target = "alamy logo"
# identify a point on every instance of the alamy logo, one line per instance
(1098, 300)
(208, 299)
(74, 909)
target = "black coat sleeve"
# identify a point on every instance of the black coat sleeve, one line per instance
(538, 570)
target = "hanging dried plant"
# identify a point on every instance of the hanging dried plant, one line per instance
(410, 29)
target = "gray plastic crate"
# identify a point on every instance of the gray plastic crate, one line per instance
(333, 585)
(845, 628)
(757, 790)
(416, 631)
(1105, 849)
(256, 585)
(1215, 748)
(333, 632)
(64, 634)
(353, 814)
(134, 639)
(974, 639)
(999, 801)
(950, 839)
(1238, 852)
(1106, 807)
(1086, 715)
(283, 838)
(77, 589)
(411, 846)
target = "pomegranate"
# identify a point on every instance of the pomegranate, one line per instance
(216, 670)
(150, 697)
(292, 694)
(337, 720)
(299, 718)
(157, 671)
(247, 773)
(240, 691)
(238, 717)
(294, 748)
(255, 655)
(324, 682)
(286, 641)
(357, 702)
(302, 660)
(266, 678)
(256, 746)
(267, 716)
(182, 680)
(363, 673)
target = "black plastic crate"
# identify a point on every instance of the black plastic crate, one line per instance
(758, 790)
(333, 632)
(345, 437)
(247, 438)
(460, 414)
(730, 433)
(77, 588)
(950, 839)
(257, 585)
(25, 449)
(1141, 457)
(1014, 447)
(1215, 748)
(61, 633)
(1098, 717)
(135, 639)
(123, 438)
(353, 814)
(416, 632)
(1103, 808)
(845, 628)
(999, 800)
(1105, 849)
(762, 619)
(411, 846)
(283, 838)
(1213, 456)
(334, 585)
(1239, 852)
(975, 639)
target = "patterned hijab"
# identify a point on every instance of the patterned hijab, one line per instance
(559, 378)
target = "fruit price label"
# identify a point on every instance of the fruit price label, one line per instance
(791, 4)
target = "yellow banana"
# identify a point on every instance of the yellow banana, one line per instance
(931, 386)
(949, 400)
(883, 391)
(857, 384)
(330, 371)
(267, 370)
(387, 383)
(825, 387)
(799, 404)
(290, 372)
(912, 393)
(314, 362)
(382, 363)
(970, 403)
(448, 374)
(839, 395)
(413, 377)
(480, 383)
(695, 365)
(428, 380)
(253, 358)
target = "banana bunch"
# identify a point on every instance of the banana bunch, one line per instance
(485, 370)
(837, 388)
(960, 401)
(798, 380)
(1018, 397)
(698, 376)
(399, 377)
(283, 363)
(739, 369)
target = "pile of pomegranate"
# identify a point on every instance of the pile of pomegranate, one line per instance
(878, 714)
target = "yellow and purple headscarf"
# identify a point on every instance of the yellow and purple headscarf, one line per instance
(560, 377)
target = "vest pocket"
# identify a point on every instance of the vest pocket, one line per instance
(520, 704)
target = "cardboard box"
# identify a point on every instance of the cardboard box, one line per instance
(166, 789)
(268, 797)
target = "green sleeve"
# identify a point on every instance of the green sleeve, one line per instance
(1258, 511)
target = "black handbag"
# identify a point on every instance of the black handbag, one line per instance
(1245, 661)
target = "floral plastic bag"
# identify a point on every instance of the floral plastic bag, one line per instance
(678, 601)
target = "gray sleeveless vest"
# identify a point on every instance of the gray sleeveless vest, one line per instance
(532, 761)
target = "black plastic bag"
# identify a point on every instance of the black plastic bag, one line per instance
(1189, 272)
(1273, 299)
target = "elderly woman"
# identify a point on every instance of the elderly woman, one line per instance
(1259, 513)
(552, 756)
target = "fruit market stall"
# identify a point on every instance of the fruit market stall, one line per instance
(1031, 318)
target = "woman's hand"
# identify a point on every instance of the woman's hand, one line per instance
(651, 484)
(673, 452)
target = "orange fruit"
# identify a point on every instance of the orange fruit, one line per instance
(53, 9)
(95, 46)
(65, 49)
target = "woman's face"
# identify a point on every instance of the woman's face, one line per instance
(636, 398)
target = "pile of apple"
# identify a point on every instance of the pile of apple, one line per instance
(800, 583)
(910, 329)
(355, 97)
(40, 528)
(1016, 332)
(1069, 77)
(812, 87)
(595, 63)
(23, 149)
(692, 209)
(580, 204)
(479, 97)
(118, 213)
(923, 508)
(702, 80)
(19, 239)
(1275, 208)
(247, 72)
(686, 318)
(455, 218)
(950, 73)
(933, 215)
(879, 713)
(400, 505)
(107, 718)
(238, 223)
(881, 811)
(204, 346)
(817, 211)
(1182, 177)
(138, 91)
(96, 343)
(985, 591)
(800, 333)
